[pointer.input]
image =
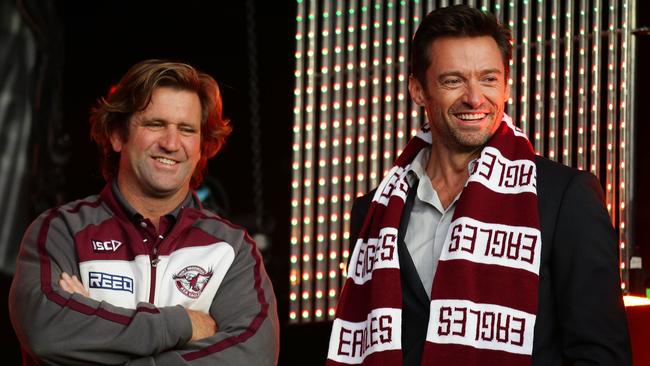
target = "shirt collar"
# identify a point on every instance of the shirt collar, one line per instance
(135, 216)
(418, 165)
(425, 191)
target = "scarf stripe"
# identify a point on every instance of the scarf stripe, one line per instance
(489, 284)
(501, 210)
(452, 354)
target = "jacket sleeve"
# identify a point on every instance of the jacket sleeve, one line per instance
(245, 311)
(588, 291)
(56, 327)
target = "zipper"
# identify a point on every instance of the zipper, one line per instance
(152, 280)
(154, 264)
(155, 260)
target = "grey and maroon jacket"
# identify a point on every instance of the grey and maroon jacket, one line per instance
(139, 280)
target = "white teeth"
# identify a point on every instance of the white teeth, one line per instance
(166, 161)
(471, 116)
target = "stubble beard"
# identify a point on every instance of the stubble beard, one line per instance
(468, 142)
(462, 141)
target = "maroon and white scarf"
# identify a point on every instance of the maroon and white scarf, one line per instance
(484, 294)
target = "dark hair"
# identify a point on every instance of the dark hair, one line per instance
(456, 21)
(133, 94)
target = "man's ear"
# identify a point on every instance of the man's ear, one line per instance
(416, 90)
(116, 141)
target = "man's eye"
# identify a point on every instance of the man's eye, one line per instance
(152, 124)
(451, 82)
(490, 79)
(187, 130)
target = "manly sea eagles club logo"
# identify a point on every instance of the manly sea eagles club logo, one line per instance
(192, 280)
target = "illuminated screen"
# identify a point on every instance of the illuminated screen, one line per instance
(352, 113)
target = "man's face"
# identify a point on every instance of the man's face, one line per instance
(465, 91)
(163, 147)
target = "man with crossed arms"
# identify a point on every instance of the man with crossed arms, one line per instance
(141, 274)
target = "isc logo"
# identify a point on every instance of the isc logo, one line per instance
(106, 246)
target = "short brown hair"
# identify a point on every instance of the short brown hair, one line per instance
(133, 94)
(457, 21)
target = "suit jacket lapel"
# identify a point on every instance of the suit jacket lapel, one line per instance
(408, 272)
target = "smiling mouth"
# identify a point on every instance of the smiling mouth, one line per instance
(166, 161)
(470, 116)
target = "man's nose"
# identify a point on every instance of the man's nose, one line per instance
(170, 140)
(473, 97)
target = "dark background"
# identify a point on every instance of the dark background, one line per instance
(103, 39)
(640, 279)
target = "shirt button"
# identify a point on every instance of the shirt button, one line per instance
(143, 224)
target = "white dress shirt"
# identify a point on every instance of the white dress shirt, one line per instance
(428, 223)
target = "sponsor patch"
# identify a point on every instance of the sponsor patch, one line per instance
(191, 280)
(109, 281)
(106, 246)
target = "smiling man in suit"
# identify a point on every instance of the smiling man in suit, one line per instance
(473, 250)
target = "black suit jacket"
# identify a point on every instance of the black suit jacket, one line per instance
(581, 319)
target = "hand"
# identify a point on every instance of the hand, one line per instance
(72, 285)
(202, 325)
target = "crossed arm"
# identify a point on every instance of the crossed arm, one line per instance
(202, 324)
(57, 323)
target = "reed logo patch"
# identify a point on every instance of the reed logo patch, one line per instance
(191, 280)
(109, 281)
